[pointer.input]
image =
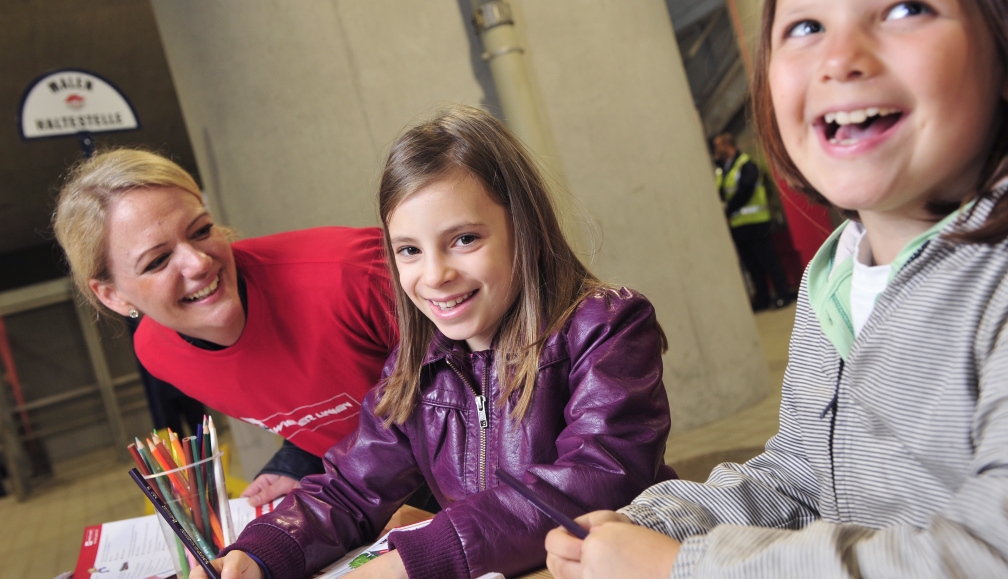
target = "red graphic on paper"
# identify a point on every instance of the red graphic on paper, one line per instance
(75, 101)
(88, 552)
(310, 417)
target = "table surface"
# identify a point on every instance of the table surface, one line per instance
(408, 515)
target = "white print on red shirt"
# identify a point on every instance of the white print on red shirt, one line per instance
(309, 418)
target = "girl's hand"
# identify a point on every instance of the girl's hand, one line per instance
(615, 547)
(234, 565)
(267, 487)
(387, 566)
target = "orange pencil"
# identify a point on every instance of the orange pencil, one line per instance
(161, 455)
(177, 452)
(218, 534)
(197, 511)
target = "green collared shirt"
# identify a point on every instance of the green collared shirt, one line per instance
(829, 283)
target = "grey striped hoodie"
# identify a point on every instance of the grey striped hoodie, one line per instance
(893, 463)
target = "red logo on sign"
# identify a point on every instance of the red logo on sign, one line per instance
(75, 101)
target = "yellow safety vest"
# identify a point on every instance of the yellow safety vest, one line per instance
(757, 210)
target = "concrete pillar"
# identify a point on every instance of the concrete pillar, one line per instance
(746, 16)
(633, 152)
(291, 105)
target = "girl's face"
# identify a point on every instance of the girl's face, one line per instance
(169, 261)
(884, 105)
(454, 248)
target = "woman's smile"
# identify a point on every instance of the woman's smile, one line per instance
(205, 292)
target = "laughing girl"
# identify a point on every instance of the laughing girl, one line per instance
(892, 454)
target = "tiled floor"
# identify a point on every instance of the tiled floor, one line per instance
(40, 537)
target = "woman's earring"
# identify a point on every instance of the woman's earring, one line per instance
(133, 313)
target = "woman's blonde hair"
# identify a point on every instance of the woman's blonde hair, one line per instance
(552, 280)
(92, 185)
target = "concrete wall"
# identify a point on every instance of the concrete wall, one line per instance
(746, 16)
(633, 152)
(290, 107)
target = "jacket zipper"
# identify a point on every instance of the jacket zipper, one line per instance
(833, 405)
(484, 421)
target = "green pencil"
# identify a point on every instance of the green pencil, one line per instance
(200, 487)
(176, 509)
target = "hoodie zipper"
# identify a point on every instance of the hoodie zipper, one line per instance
(484, 421)
(833, 406)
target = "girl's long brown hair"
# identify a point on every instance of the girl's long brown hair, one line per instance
(552, 280)
(994, 14)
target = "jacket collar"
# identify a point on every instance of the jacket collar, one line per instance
(442, 347)
(829, 272)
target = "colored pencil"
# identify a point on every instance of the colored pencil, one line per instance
(176, 506)
(207, 453)
(178, 453)
(222, 499)
(136, 449)
(200, 483)
(141, 465)
(198, 518)
(163, 455)
(177, 526)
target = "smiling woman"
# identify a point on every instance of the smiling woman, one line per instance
(178, 268)
(287, 332)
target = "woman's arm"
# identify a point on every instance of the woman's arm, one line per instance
(282, 474)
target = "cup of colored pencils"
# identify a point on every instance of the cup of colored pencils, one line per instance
(188, 475)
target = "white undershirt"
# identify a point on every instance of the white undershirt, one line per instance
(867, 282)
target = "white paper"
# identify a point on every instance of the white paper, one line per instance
(358, 557)
(131, 549)
(136, 548)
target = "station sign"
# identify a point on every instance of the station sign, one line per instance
(73, 101)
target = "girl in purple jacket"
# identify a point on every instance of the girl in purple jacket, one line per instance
(512, 356)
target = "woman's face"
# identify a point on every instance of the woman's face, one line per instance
(169, 261)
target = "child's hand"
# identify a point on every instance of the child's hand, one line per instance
(234, 565)
(267, 487)
(615, 547)
(387, 566)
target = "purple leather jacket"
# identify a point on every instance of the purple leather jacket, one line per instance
(593, 438)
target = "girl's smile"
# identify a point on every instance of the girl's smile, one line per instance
(454, 251)
(857, 130)
(451, 306)
(885, 106)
